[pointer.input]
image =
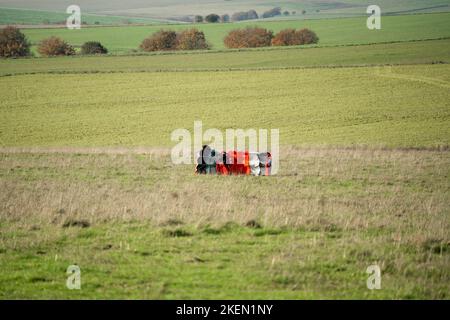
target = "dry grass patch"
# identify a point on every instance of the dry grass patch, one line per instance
(317, 189)
(309, 232)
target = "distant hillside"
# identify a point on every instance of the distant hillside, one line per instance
(186, 9)
(42, 17)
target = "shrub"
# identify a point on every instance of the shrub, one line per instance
(251, 14)
(250, 37)
(93, 47)
(285, 37)
(159, 41)
(191, 39)
(290, 37)
(212, 18)
(198, 19)
(225, 18)
(55, 46)
(272, 13)
(306, 36)
(248, 15)
(13, 43)
(239, 16)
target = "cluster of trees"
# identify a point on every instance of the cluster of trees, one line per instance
(292, 37)
(250, 37)
(249, 15)
(240, 16)
(164, 40)
(13, 44)
(253, 37)
(225, 18)
(272, 13)
(93, 47)
(55, 46)
(212, 18)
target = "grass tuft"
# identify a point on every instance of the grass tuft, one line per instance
(176, 233)
(76, 223)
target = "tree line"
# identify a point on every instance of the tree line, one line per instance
(249, 37)
(13, 42)
(244, 15)
(253, 37)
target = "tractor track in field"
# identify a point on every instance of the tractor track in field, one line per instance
(388, 73)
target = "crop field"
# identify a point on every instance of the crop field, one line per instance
(393, 106)
(331, 32)
(86, 176)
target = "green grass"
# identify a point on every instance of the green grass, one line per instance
(393, 106)
(236, 264)
(138, 227)
(330, 31)
(429, 51)
(31, 17)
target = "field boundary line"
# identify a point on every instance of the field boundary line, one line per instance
(88, 150)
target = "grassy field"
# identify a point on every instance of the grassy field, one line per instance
(330, 31)
(393, 106)
(138, 227)
(420, 52)
(86, 176)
